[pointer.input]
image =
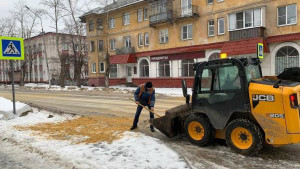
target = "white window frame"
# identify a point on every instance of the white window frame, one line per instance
(262, 22)
(112, 23)
(112, 44)
(100, 66)
(93, 67)
(141, 39)
(145, 38)
(126, 18)
(127, 41)
(92, 47)
(140, 15)
(219, 19)
(286, 24)
(209, 26)
(165, 34)
(220, 0)
(187, 32)
(210, 3)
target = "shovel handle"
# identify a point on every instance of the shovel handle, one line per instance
(145, 107)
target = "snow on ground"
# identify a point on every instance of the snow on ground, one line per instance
(176, 92)
(6, 108)
(134, 150)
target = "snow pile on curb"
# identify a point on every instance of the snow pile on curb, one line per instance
(6, 109)
(133, 150)
(175, 92)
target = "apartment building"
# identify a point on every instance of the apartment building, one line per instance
(159, 40)
(35, 54)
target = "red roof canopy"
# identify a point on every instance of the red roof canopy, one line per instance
(123, 59)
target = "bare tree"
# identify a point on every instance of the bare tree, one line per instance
(105, 4)
(7, 27)
(77, 40)
(26, 23)
(55, 13)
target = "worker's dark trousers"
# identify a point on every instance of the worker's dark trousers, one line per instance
(138, 112)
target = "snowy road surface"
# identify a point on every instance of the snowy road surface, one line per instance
(216, 156)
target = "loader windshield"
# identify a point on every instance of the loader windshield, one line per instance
(253, 72)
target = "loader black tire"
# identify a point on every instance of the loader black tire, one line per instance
(244, 137)
(199, 130)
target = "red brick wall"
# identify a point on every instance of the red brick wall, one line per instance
(100, 81)
(165, 82)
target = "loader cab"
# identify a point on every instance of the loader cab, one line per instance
(221, 88)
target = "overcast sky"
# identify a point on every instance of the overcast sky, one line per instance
(7, 5)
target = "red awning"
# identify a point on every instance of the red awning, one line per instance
(283, 38)
(241, 47)
(123, 59)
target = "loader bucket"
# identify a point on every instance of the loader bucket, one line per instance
(172, 123)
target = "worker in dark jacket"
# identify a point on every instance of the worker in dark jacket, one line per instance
(145, 95)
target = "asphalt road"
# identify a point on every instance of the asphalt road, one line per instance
(90, 103)
(116, 104)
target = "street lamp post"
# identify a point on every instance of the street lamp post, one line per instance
(44, 44)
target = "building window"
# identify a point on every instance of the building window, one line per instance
(220, 0)
(286, 57)
(164, 69)
(127, 41)
(91, 25)
(245, 19)
(112, 23)
(211, 28)
(140, 15)
(93, 67)
(92, 46)
(164, 36)
(210, 1)
(221, 26)
(113, 71)
(187, 32)
(101, 45)
(40, 48)
(145, 14)
(102, 67)
(146, 39)
(112, 43)
(287, 15)
(126, 19)
(187, 68)
(99, 24)
(141, 40)
(214, 56)
(134, 70)
(144, 68)
(65, 46)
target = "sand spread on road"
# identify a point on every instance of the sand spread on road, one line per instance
(84, 129)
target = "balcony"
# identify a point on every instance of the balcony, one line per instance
(125, 50)
(163, 17)
(246, 33)
(190, 11)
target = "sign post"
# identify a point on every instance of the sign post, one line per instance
(12, 49)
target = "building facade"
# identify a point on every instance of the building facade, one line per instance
(159, 40)
(35, 54)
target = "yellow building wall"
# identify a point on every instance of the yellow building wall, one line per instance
(200, 25)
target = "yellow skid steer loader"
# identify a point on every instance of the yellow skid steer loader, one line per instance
(232, 101)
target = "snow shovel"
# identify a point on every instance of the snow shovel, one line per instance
(145, 107)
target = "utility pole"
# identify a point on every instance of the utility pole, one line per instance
(44, 44)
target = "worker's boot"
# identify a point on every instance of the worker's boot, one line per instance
(152, 128)
(133, 127)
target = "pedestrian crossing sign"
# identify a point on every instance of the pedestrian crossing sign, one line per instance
(11, 48)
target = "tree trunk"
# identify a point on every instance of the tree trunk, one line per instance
(62, 71)
(107, 72)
